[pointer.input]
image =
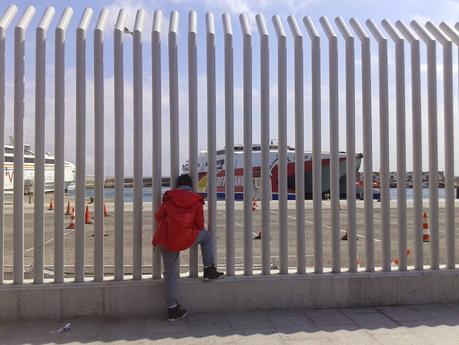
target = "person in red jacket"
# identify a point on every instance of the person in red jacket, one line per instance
(181, 225)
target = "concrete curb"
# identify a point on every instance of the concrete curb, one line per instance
(145, 297)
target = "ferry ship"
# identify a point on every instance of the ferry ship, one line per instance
(273, 167)
(29, 170)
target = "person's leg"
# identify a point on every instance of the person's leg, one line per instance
(205, 240)
(170, 276)
(210, 271)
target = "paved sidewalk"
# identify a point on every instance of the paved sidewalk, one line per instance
(418, 324)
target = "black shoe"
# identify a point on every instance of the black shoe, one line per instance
(211, 273)
(175, 313)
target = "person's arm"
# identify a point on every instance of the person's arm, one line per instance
(199, 217)
(160, 213)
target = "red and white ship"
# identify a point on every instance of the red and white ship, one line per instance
(273, 166)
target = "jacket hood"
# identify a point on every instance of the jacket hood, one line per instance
(183, 198)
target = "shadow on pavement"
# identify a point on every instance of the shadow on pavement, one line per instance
(216, 328)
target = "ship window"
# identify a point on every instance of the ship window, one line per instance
(238, 148)
(220, 152)
(9, 159)
(206, 163)
(49, 161)
(29, 160)
(8, 150)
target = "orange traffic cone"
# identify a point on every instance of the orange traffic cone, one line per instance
(51, 205)
(425, 229)
(258, 237)
(87, 216)
(106, 214)
(396, 261)
(67, 213)
(254, 203)
(72, 220)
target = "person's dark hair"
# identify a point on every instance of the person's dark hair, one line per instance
(184, 180)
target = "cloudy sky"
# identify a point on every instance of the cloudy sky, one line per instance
(406, 10)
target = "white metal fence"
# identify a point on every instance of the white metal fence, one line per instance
(414, 34)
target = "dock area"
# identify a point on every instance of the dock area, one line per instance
(147, 248)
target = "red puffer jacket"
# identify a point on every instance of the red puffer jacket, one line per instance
(180, 219)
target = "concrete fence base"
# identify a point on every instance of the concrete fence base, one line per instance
(145, 297)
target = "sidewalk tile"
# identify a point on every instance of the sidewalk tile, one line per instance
(402, 313)
(249, 320)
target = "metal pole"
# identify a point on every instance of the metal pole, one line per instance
(334, 142)
(156, 95)
(119, 143)
(417, 141)
(229, 143)
(18, 207)
(39, 174)
(193, 118)
(248, 181)
(383, 143)
(433, 138)
(99, 145)
(137, 48)
(449, 139)
(367, 144)
(350, 144)
(265, 172)
(5, 21)
(316, 144)
(299, 144)
(174, 97)
(211, 133)
(80, 142)
(59, 143)
(174, 102)
(282, 128)
(401, 142)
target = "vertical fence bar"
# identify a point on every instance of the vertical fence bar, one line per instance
(367, 144)
(193, 118)
(18, 208)
(433, 138)
(449, 139)
(266, 192)
(5, 21)
(282, 128)
(174, 102)
(174, 97)
(156, 111)
(350, 144)
(229, 143)
(248, 182)
(80, 142)
(316, 143)
(99, 145)
(334, 142)
(39, 173)
(416, 112)
(137, 49)
(299, 144)
(383, 144)
(59, 143)
(451, 230)
(401, 142)
(119, 143)
(211, 132)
